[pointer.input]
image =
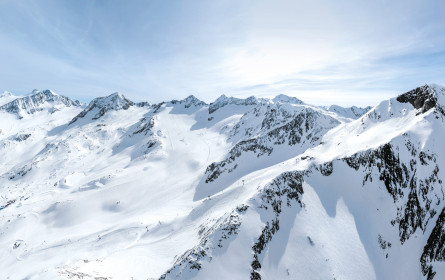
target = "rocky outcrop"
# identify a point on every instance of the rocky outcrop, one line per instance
(423, 98)
(212, 237)
(413, 194)
(102, 105)
(304, 128)
(434, 250)
(224, 101)
(37, 101)
(279, 193)
(190, 101)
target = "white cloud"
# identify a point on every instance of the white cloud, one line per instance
(157, 51)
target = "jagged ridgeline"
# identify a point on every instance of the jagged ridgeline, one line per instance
(252, 188)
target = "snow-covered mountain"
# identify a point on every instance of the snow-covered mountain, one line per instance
(238, 189)
(36, 101)
(6, 97)
(349, 112)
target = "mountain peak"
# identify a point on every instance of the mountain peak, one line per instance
(115, 101)
(223, 100)
(423, 98)
(116, 95)
(191, 97)
(190, 101)
(48, 92)
(5, 94)
(221, 97)
(353, 112)
(282, 98)
(37, 101)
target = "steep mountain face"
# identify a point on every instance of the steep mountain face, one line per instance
(37, 101)
(99, 106)
(404, 168)
(190, 101)
(261, 132)
(238, 189)
(422, 98)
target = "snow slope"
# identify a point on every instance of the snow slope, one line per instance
(350, 112)
(237, 189)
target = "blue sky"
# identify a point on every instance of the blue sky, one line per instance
(321, 51)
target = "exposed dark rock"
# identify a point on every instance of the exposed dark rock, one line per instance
(414, 214)
(326, 169)
(21, 137)
(224, 101)
(212, 238)
(8, 203)
(115, 101)
(423, 98)
(286, 187)
(34, 103)
(392, 172)
(434, 250)
(415, 211)
(145, 126)
(189, 102)
(301, 129)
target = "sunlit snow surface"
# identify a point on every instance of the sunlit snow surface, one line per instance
(121, 193)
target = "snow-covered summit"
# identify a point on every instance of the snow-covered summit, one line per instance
(349, 112)
(223, 100)
(37, 101)
(424, 98)
(115, 101)
(7, 97)
(5, 94)
(267, 190)
(412, 105)
(190, 101)
(282, 98)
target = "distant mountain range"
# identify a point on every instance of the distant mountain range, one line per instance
(251, 188)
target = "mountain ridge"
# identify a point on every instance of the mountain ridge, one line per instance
(252, 188)
(36, 102)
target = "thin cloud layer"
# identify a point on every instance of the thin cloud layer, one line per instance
(340, 52)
